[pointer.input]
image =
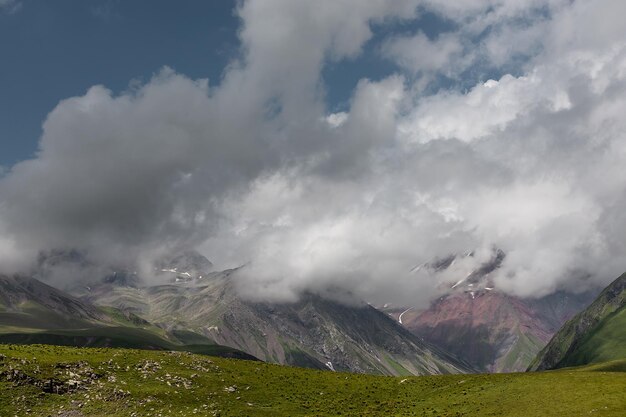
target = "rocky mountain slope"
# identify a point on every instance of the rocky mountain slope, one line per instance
(313, 332)
(195, 305)
(34, 312)
(27, 302)
(597, 334)
(493, 331)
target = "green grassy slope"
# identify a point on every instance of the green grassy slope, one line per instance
(116, 337)
(606, 342)
(115, 382)
(32, 315)
(596, 334)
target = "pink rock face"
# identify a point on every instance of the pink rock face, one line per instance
(492, 309)
(493, 331)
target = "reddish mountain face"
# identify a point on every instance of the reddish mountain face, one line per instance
(493, 331)
(489, 329)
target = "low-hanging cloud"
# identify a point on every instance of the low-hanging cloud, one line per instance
(256, 170)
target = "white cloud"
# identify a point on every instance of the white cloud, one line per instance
(257, 170)
(483, 12)
(486, 109)
(336, 119)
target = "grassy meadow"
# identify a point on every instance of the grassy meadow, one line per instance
(42, 380)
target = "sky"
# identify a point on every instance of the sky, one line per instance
(328, 146)
(56, 50)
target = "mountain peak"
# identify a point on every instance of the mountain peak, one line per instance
(184, 266)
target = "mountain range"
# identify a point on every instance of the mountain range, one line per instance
(472, 327)
(196, 308)
(313, 332)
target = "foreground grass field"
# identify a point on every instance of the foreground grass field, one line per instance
(73, 382)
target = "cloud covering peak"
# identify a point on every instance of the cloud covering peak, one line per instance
(256, 169)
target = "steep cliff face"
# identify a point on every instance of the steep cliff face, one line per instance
(596, 334)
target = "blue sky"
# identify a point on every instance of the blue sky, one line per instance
(54, 50)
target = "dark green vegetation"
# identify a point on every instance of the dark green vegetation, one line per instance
(597, 334)
(74, 382)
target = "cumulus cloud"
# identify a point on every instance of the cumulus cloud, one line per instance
(256, 170)
(483, 37)
(117, 171)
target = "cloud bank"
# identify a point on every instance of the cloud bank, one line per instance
(256, 169)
